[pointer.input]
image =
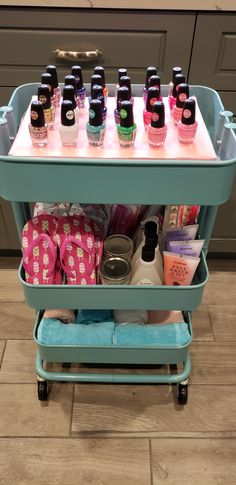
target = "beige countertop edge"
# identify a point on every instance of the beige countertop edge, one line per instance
(213, 5)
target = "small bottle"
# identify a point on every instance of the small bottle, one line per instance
(100, 70)
(157, 130)
(69, 93)
(126, 128)
(121, 72)
(71, 81)
(179, 78)
(146, 272)
(122, 95)
(150, 230)
(187, 127)
(68, 128)
(156, 82)
(80, 89)
(49, 110)
(46, 78)
(150, 71)
(175, 70)
(95, 127)
(182, 95)
(125, 81)
(97, 93)
(152, 97)
(37, 127)
(53, 71)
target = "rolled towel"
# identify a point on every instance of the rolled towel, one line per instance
(63, 314)
(165, 316)
(86, 317)
(152, 335)
(123, 317)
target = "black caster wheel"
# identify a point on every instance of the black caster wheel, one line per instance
(183, 392)
(42, 390)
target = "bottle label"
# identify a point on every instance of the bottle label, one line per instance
(145, 281)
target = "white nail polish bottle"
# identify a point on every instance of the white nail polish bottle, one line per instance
(68, 128)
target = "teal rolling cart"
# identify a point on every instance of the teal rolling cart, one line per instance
(204, 182)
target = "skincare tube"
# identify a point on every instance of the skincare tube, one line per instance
(187, 248)
(182, 233)
(179, 270)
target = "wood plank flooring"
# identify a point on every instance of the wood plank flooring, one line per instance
(119, 434)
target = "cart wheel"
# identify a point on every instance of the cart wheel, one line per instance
(183, 393)
(42, 390)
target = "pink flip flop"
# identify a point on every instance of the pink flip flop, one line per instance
(40, 251)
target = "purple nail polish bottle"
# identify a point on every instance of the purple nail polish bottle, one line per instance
(80, 89)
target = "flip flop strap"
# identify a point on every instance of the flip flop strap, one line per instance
(29, 251)
(82, 246)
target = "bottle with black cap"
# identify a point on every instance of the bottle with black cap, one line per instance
(37, 127)
(122, 95)
(95, 127)
(150, 71)
(156, 82)
(157, 129)
(179, 78)
(187, 127)
(149, 231)
(125, 81)
(175, 70)
(49, 110)
(182, 95)
(46, 78)
(152, 97)
(126, 128)
(69, 93)
(68, 128)
(100, 70)
(122, 71)
(97, 93)
(51, 69)
(146, 269)
(80, 89)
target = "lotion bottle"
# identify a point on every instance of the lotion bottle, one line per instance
(146, 272)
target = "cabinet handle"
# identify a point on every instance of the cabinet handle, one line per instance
(78, 55)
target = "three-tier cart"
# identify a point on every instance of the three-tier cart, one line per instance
(203, 182)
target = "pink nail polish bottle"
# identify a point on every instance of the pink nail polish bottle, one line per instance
(182, 95)
(175, 70)
(53, 71)
(157, 130)
(46, 78)
(179, 78)
(150, 71)
(122, 95)
(156, 82)
(152, 97)
(37, 127)
(187, 127)
(125, 81)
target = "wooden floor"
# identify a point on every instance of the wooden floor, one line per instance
(90, 434)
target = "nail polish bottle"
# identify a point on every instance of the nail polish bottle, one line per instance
(53, 71)
(179, 78)
(121, 72)
(46, 78)
(182, 95)
(122, 95)
(69, 93)
(152, 97)
(126, 128)
(49, 110)
(95, 127)
(175, 70)
(150, 71)
(95, 79)
(97, 93)
(100, 70)
(157, 130)
(80, 89)
(156, 82)
(187, 127)
(71, 81)
(37, 127)
(68, 128)
(125, 81)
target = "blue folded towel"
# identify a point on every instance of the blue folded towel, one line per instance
(88, 316)
(151, 335)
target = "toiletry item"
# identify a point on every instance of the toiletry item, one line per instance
(182, 95)
(187, 127)
(188, 214)
(124, 317)
(121, 72)
(149, 231)
(175, 70)
(46, 78)
(146, 272)
(155, 81)
(37, 127)
(80, 89)
(187, 248)
(151, 242)
(95, 79)
(51, 69)
(69, 93)
(115, 271)
(126, 128)
(8, 113)
(95, 127)
(5, 142)
(100, 70)
(125, 81)
(179, 270)
(150, 71)
(179, 78)
(97, 93)
(49, 110)
(68, 128)
(170, 217)
(152, 97)
(118, 245)
(181, 233)
(122, 95)
(157, 130)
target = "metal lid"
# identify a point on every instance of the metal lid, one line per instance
(116, 268)
(118, 244)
